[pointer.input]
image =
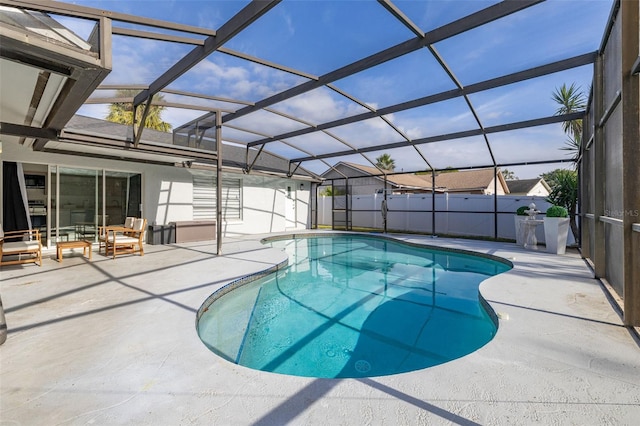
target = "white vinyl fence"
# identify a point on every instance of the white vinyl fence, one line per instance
(458, 214)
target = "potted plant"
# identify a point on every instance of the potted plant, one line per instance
(556, 229)
(519, 217)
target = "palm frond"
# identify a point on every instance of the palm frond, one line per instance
(122, 112)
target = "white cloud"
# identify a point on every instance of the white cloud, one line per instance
(141, 61)
(94, 111)
(178, 116)
(414, 132)
(319, 106)
(495, 108)
(210, 77)
(289, 24)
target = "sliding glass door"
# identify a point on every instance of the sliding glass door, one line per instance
(123, 196)
(84, 199)
(76, 204)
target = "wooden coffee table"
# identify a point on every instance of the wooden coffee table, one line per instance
(83, 244)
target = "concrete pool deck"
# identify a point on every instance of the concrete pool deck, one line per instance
(114, 342)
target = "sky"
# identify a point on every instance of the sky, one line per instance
(316, 37)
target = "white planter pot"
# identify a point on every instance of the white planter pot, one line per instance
(556, 230)
(519, 231)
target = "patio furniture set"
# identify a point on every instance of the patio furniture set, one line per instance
(25, 246)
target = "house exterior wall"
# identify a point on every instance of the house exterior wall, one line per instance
(264, 203)
(345, 170)
(360, 185)
(167, 192)
(489, 190)
(538, 191)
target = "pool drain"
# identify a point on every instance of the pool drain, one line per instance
(363, 366)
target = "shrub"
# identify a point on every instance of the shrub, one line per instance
(557, 211)
(522, 210)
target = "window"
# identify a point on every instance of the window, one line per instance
(204, 197)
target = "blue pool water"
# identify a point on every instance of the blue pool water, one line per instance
(353, 306)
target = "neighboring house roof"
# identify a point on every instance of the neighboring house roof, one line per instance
(525, 186)
(454, 181)
(408, 181)
(469, 180)
(412, 181)
(232, 156)
(366, 170)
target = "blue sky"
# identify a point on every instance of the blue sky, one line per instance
(315, 37)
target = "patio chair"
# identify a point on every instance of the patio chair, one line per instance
(20, 246)
(131, 242)
(103, 231)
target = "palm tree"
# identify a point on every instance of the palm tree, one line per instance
(327, 192)
(330, 191)
(570, 99)
(122, 112)
(564, 183)
(385, 163)
(509, 175)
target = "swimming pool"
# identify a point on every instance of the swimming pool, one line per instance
(351, 305)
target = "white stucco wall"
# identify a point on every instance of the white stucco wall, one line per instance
(168, 194)
(264, 204)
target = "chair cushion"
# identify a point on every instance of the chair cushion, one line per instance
(125, 240)
(138, 224)
(20, 246)
(128, 222)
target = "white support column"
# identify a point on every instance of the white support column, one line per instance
(219, 182)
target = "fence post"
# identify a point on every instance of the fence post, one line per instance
(495, 202)
(433, 203)
(385, 209)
